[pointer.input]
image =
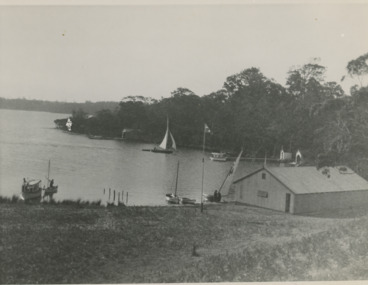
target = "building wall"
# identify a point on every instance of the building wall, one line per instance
(253, 190)
(318, 202)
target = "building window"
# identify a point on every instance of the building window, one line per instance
(262, 194)
(263, 175)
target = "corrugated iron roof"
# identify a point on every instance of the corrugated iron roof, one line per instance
(307, 179)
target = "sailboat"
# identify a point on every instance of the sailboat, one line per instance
(165, 146)
(31, 189)
(51, 189)
(226, 184)
(173, 198)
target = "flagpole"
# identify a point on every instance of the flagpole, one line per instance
(204, 140)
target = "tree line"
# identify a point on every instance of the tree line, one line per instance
(255, 113)
(55, 107)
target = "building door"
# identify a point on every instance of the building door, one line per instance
(287, 204)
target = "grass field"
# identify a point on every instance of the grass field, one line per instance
(76, 242)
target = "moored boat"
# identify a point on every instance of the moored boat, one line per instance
(187, 201)
(31, 189)
(51, 189)
(218, 156)
(172, 198)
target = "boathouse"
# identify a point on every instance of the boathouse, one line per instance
(302, 189)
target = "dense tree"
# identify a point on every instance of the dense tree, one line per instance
(309, 90)
(254, 112)
(55, 107)
(79, 121)
(132, 114)
(358, 68)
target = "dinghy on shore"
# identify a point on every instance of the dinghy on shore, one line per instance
(31, 189)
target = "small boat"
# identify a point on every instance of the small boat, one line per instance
(173, 198)
(51, 189)
(218, 156)
(31, 189)
(168, 144)
(186, 201)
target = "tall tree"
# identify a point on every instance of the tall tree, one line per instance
(307, 86)
(358, 68)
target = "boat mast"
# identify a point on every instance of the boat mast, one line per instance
(163, 144)
(48, 175)
(223, 182)
(230, 175)
(204, 142)
(177, 177)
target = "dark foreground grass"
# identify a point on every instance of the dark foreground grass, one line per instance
(80, 242)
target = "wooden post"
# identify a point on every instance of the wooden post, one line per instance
(118, 198)
(104, 190)
(127, 198)
(114, 196)
(109, 194)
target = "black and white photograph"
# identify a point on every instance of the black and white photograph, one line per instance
(200, 141)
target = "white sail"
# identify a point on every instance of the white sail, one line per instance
(163, 144)
(172, 141)
(230, 176)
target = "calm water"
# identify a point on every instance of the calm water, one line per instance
(83, 167)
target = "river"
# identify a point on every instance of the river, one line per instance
(83, 168)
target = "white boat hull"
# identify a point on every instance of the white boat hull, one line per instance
(172, 199)
(31, 190)
(218, 158)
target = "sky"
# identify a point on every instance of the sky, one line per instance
(86, 52)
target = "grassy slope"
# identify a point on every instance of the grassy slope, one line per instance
(90, 244)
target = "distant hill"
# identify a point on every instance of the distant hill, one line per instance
(55, 106)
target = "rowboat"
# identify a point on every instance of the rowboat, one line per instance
(218, 156)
